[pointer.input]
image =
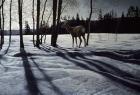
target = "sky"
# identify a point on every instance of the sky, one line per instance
(82, 8)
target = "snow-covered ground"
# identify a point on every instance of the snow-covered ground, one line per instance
(106, 67)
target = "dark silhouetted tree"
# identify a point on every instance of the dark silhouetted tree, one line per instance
(89, 21)
(33, 18)
(73, 18)
(10, 21)
(0, 31)
(100, 17)
(3, 21)
(27, 28)
(54, 32)
(38, 24)
(77, 17)
(58, 18)
(122, 15)
(20, 3)
(131, 11)
(137, 11)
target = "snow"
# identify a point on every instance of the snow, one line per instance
(71, 71)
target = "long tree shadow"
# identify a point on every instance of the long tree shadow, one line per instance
(31, 80)
(1, 56)
(104, 65)
(132, 58)
(48, 79)
(107, 70)
(103, 69)
(6, 51)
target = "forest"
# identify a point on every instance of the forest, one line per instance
(69, 47)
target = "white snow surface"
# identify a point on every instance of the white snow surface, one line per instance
(70, 71)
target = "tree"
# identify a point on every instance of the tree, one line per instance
(0, 31)
(20, 3)
(122, 15)
(2, 22)
(58, 18)
(42, 19)
(77, 17)
(89, 21)
(10, 21)
(100, 17)
(27, 28)
(73, 18)
(137, 11)
(57, 11)
(131, 11)
(38, 23)
(54, 32)
(33, 18)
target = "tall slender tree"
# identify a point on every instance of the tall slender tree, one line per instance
(33, 17)
(20, 3)
(38, 23)
(2, 22)
(42, 17)
(54, 32)
(10, 21)
(0, 31)
(58, 18)
(89, 20)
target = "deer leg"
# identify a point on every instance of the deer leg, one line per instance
(45, 38)
(76, 41)
(84, 40)
(72, 41)
(80, 42)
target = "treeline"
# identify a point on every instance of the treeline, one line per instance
(129, 22)
(110, 23)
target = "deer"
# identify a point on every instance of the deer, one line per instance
(76, 32)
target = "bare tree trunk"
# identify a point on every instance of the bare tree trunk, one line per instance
(54, 32)
(33, 6)
(0, 31)
(10, 22)
(3, 22)
(58, 18)
(89, 21)
(44, 9)
(20, 2)
(38, 23)
(47, 23)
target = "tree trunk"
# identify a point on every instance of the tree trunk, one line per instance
(58, 18)
(20, 2)
(59, 12)
(33, 6)
(38, 23)
(44, 9)
(3, 22)
(0, 31)
(54, 32)
(10, 22)
(89, 20)
(47, 23)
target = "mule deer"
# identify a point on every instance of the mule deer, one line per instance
(77, 31)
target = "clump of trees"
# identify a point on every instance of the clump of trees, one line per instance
(38, 16)
(39, 8)
(27, 28)
(133, 12)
